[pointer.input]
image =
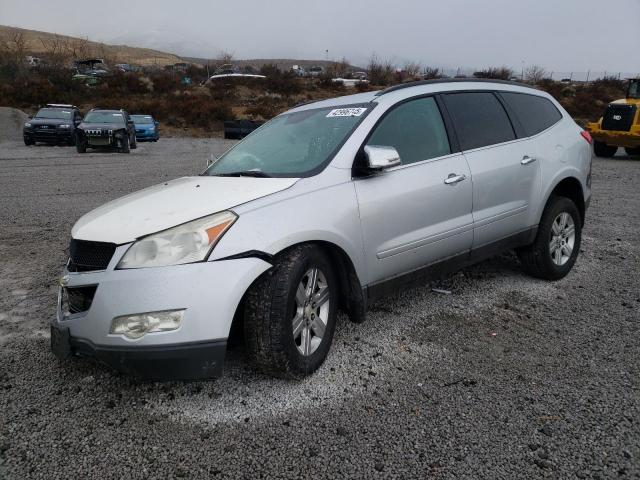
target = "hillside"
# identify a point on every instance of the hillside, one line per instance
(40, 43)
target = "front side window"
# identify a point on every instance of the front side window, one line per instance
(104, 117)
(634, 89)
(535, 113)
(479, 119)
(294, 144)
(415, 129)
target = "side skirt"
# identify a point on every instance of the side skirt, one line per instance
(432, 271)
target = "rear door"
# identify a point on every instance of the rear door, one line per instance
(504, 169)
(410, 217)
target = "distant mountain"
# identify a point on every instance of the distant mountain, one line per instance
(38, 43)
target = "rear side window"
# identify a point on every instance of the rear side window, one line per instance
(535, 113)
(479, 119)
(415, 129)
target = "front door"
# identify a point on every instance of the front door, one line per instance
(410, 217)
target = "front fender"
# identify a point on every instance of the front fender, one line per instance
(324, 215)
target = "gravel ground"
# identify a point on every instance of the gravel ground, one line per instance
(506, 377)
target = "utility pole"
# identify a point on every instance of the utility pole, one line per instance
(588, 73)
(522, 77)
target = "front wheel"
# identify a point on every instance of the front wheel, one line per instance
(555, 249)
(290, 313)
(81, 144)
(601, 149)
(124, 145)
(632, 151)
(28, 141)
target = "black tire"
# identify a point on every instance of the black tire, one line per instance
(270, 307)
(134, 145)
(632, 151)
(28, 141)
(536, 258)
(125, 147)
(81, 145)
(603, 150)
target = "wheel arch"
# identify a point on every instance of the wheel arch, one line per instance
(352, 295)
(569, 187)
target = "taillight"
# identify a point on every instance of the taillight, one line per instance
(587, 136)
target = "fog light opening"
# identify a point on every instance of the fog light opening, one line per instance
(138, 325)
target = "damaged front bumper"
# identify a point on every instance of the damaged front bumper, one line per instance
(208, 293)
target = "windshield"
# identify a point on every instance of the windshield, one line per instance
(104, 117)
(54, 113)
(634, 89)
(142, 119)
(293, 144)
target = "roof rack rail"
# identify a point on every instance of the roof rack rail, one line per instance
(60, 105)
(448, 80)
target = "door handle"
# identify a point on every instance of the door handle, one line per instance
(453, 178)
(526, 160)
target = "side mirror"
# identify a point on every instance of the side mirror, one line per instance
(156, 122)
(381, 158)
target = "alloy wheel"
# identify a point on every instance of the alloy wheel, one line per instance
(563, 238)
(313, 299)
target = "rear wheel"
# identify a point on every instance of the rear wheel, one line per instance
(601, 149)
(555, 249)
(290, 313)
(632, 151)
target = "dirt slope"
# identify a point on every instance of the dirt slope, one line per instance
(39, 43)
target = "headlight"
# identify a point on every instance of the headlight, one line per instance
(65, 126)
(187, 243)
(152, 128)
(136, 326)
(28, 125)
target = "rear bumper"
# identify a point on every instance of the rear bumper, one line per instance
(614, 137)
(190, 361)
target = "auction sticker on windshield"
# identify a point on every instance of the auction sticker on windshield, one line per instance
(346, 112)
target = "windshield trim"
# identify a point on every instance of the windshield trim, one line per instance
(320, 167)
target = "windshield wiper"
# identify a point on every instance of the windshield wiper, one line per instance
(243, 173)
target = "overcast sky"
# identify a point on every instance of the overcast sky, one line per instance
(561, 35)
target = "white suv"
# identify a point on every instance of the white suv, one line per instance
(327, 206)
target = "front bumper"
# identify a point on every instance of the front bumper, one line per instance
(195, 361)
(146, 135)
(209, 293)
(49, 136)
(615, 138)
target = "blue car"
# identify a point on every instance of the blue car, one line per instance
(146, 128)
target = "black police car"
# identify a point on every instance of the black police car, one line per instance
(112, 129)
(53, 124)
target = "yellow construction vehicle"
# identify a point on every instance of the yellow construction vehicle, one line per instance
(619, 126)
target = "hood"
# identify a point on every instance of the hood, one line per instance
(169, 204)
(144, 126)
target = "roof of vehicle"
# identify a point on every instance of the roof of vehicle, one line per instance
(59, 105)
(421, 87)
(108, 110)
